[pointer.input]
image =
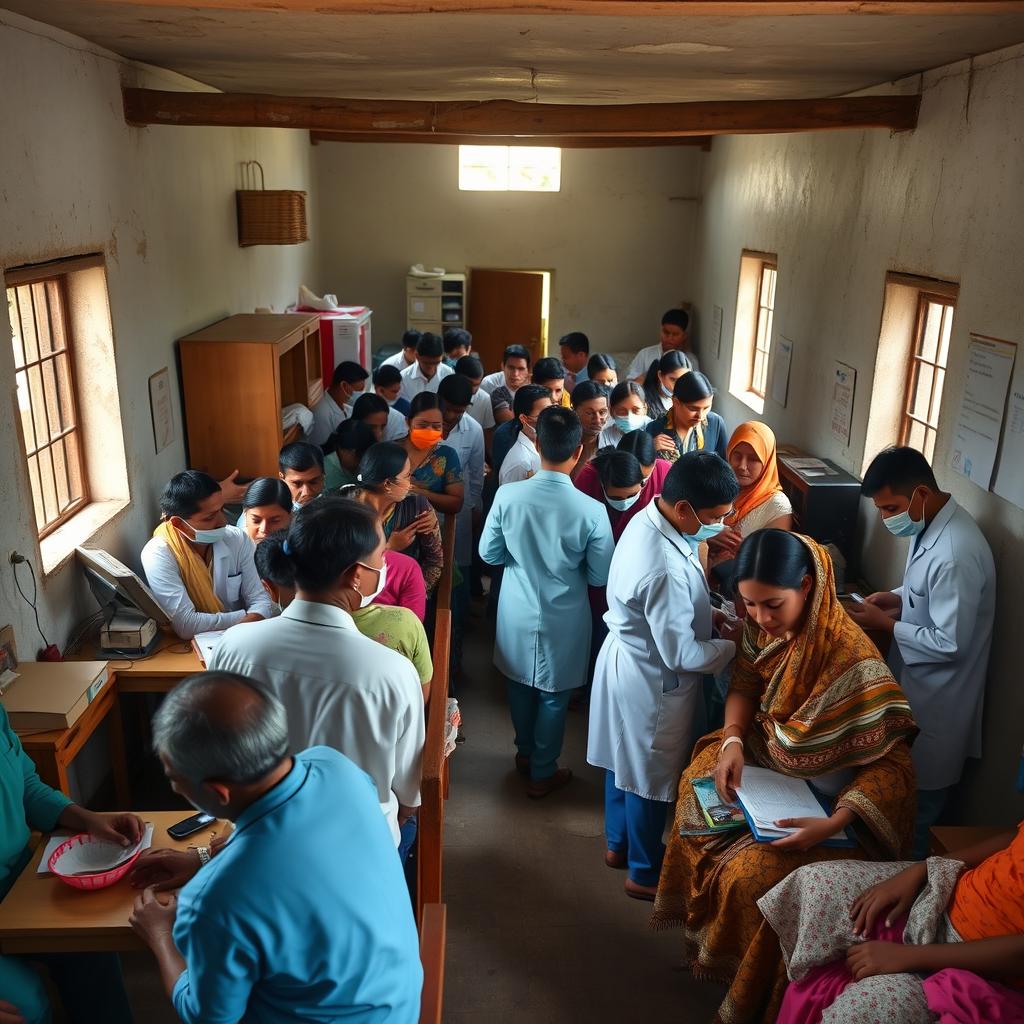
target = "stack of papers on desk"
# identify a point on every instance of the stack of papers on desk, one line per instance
(767, 797)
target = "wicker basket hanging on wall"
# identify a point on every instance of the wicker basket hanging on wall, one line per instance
(269, 216)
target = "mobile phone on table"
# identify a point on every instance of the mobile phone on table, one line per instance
(190, 825)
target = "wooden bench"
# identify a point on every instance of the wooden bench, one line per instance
(433, 931)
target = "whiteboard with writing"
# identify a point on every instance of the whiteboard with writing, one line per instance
(982, 408)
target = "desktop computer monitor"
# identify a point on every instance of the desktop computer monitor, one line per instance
(117, 588)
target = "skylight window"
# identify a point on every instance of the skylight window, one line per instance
(510, 169)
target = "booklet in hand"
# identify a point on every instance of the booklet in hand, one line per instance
(720, 815)
(767, 797)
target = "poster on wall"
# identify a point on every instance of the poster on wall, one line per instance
(844, 384)
(1010, 480)
(716, 331)
(161, 408)
(979, 424)
(778, 372)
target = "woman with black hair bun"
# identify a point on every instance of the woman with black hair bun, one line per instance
(690, 425)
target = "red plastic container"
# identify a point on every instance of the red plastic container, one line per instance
(99, 880)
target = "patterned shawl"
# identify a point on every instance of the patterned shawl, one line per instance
(826, 700)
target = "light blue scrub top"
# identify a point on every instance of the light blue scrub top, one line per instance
(305, 914)
(25, 802)
(553, 540)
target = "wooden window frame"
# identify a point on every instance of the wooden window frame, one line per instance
(767, 262)
(908, 418)
(57, 272)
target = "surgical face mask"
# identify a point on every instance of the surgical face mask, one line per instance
(664, 390)
(705, 531)
(424, 439)
(631, 421)
(622, 504)
(901, 525)
(382, 575)
(209, 536)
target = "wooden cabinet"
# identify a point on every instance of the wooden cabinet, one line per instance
(434, 303)
(237, 376)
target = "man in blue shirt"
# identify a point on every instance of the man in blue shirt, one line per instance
(553, 541)
(303, 914)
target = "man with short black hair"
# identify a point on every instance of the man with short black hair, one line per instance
(428, 371)
(674, 326)
(406, 356)
(480, 407)
(550, 373)
(574, 348)
(457, 343)
(301, 467)
(304, 914)
(553, 541)
(515, 371)
(940, 619)
(387, 382)
(201, 570)
(347, 383)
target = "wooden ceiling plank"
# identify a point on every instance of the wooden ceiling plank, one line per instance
(563, 142)
(506, 117)
(614, 8)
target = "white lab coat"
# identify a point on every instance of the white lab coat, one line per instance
(339, 689)
(647, 680)
(521, 463)
(327, 417)
(235, 582)
(942, 642)
(467, 438)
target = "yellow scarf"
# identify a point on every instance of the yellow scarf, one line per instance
(670, 427)
(195, 573)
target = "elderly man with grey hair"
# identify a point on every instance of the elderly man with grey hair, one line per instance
(303, 914)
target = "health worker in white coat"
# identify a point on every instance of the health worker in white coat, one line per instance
(940, 620)
(647, 682)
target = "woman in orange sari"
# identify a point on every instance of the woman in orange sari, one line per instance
(810, 698)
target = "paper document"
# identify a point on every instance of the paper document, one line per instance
(205, 644)
(768, 797)
(110, 856)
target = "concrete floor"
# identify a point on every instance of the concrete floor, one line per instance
(539, 929)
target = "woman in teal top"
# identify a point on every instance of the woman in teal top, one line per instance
(342, 452)
(85, 981)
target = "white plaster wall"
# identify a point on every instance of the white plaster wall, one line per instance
(620, 246)
(160, 203)
(841, 209)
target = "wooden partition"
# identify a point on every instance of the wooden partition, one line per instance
(433, 929)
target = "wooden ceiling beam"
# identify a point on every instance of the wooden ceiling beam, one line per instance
(616, 8)
(563, 142)
(505, 117)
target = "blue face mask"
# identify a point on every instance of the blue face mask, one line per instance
(631, 421)
(210, 536)
(622, 504)
(665, 391)
(901, 525)
(705, 531)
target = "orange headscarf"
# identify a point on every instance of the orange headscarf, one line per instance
(760, 437)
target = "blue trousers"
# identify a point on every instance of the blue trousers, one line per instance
(634, 825)
(930, 804)
(539, 720)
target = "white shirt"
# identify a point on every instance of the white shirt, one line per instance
(339, 689)
(481, 408)
(649, 672)
(611, 435)
(327, 417)
(396, 426)
(413, 381)
(643, 359)
(942, 642)
(467, 438)
(492, 381)
(398, 359)
(235, 582)
(522, 461)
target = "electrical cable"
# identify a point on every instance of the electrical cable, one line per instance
(17, 560)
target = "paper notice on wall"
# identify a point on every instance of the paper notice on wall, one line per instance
(1010, 478)
(778, 372)
(982, 409)
(716, 331)
(844, 383)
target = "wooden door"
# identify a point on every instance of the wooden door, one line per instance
(505, 308)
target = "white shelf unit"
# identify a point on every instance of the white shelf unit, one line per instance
(434, 303)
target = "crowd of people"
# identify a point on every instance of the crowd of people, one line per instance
(642, 561)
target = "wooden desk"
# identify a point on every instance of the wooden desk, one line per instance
(54, 751)
(172, 661)
(41, 914)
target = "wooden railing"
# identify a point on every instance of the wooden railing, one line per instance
(430, 911)
(433, 930)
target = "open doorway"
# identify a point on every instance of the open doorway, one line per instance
(508, 307)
